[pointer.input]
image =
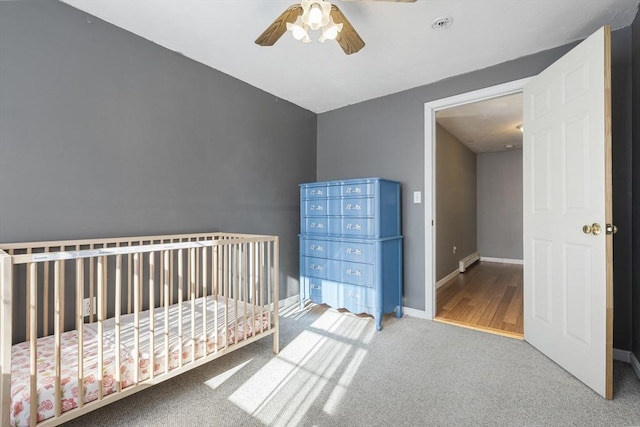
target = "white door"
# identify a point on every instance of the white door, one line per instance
(567, 185)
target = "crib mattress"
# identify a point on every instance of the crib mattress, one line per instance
(250, 320)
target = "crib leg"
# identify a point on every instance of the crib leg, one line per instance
(6, 339)
(276, 341)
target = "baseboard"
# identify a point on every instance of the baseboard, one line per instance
(467, 261)
(627, 357)
(412, 312)
(635, 364)
(502, 260)
(622, 355)
(287, 302)
(446, 278)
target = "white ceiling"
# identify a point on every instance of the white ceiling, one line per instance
(486, 126)
(402, 50)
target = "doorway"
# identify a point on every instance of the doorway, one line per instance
(478, 179)
(431, 110)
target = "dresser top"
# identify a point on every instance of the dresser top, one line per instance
(347, 182)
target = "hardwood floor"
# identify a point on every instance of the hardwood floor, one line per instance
(488, 297)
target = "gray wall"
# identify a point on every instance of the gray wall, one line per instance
(455, 202)
(500, 204)
(103, 133)
(635, 47)
(385, 137)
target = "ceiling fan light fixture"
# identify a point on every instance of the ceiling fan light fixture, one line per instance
(330, 31)
(299, 30)
(315, 13)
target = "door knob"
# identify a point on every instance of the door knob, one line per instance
(611, 229)
(594, 229)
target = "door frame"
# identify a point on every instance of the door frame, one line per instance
(430, 110)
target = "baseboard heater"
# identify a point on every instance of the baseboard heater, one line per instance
(468, 260)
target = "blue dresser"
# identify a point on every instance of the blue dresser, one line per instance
(351, 247)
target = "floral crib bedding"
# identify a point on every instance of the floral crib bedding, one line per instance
(234, 332)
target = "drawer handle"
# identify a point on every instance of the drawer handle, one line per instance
(317, 248)
(354, 226)
(317, 225)
(353, 251)
(354, 272)
(316, 287)
(354, 207)
(350, 190)
(317, 192)
(316, 267)
(352, 294)
(317, 208)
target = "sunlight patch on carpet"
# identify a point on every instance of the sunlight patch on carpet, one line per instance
(317, 366)
(217, 381)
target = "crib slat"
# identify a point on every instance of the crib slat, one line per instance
(152, 318)
(171, 284)
(197, 272)
(204, 300)
(180, 296)
(226, 287)
(141, 271)
(260, 282)
(161, 269)
(192, 297)
(45, 298)
(57, 329)
(244, 286)
(129, 270)
(215, 253)
(91, 285)
(80, 328)
(136, 318)
(118, 308)
(253, 265)
(166, 311)
(33, 341)
(234, 292)
(276, 292)
(100, 303)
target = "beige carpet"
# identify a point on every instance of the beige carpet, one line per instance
(335, 369)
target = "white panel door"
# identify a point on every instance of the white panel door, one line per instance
(567, 185)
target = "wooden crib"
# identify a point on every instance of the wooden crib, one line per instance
(85, 323)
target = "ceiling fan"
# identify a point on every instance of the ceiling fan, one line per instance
(316, 15)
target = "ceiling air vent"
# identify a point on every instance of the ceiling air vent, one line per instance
(442, 23)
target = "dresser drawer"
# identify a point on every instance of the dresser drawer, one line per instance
(313, 191)
(315, 225)
(315, 267)
(352, 251)
(352, 206)
(321, 292)
(359, 189)
(351, 272)
(356, 227)
(356, 299)
(314, 207)
(316, 248)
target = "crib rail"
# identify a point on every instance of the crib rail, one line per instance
(196, 296)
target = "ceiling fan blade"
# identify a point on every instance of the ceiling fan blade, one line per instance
(348, 39)
(279, 26)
